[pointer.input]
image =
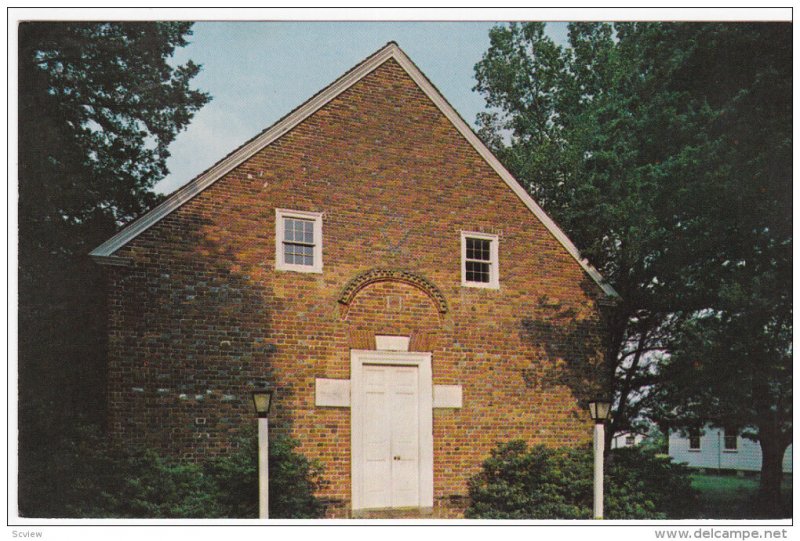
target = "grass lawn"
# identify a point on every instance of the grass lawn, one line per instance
(732, 497)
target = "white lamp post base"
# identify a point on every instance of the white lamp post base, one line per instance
(263, 467)
(599, 449)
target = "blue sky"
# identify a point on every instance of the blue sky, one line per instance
(258, 72)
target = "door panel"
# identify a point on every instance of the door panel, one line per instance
(377, 438)
(405, 437)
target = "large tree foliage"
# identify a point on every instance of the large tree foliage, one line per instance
(586, 134)
(732, 362)
(99, 104)
(664, 151)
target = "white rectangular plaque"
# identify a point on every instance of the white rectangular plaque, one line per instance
(391, 343)
(333, 393)
(447, 396)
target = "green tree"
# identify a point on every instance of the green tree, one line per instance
(664, 150)
(730, 361)
(588, 136)
(99, 104)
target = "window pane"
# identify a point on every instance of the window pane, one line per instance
(295, 230)
(477, 272)
(478, 249)
(288, 229)
(298, 254)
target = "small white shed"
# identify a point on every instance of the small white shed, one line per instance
(717, 448)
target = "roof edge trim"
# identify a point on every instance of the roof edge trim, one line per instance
(111, 260)
(237, 157)
(453, 116)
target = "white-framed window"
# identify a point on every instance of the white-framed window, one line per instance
(298, 240)
(479, 260)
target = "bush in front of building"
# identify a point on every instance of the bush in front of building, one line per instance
(541, 483)
(88, 479)
(517, 483)
(142, 484)
(638, 476)
(293, 480)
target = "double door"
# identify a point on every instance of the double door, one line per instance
(390, 436)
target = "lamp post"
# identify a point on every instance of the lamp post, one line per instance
(599, 409)
(262, 400)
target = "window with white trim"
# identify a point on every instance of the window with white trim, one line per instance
(298, 240)
(479, 260)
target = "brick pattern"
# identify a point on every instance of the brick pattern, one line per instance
(201, 316)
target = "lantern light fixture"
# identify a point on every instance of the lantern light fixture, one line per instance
(599, 409)
(262, 401)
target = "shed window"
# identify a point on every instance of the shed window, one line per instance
(694, 439)
(731, 439)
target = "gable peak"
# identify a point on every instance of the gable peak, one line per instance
(104, 253)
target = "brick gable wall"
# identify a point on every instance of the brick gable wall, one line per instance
(201, 316)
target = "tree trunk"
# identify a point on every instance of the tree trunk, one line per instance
(769, 491)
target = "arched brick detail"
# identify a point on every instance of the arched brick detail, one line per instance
(393, 275)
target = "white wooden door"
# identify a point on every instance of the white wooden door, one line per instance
(391, 436)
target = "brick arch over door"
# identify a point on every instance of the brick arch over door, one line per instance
(394, 303)
(393, 275)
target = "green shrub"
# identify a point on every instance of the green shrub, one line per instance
(656, 441)
(542, 483)
(643, 483)
(142, 484)
(86, 479)
(293, 480)
(55, 475)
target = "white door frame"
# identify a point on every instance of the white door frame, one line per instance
(360, 357)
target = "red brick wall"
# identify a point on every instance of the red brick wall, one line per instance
(201, 315)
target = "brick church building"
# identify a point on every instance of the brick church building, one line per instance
(369, 259)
